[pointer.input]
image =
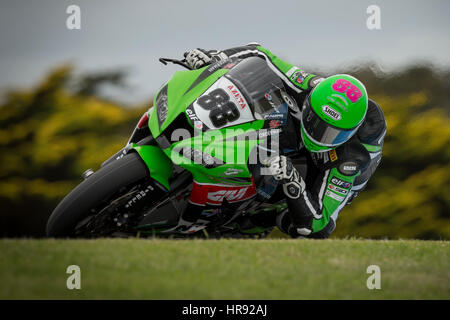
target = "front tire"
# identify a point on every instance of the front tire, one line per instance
(92, 192)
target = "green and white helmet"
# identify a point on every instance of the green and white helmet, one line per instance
(333, 112)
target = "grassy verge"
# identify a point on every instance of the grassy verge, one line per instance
(224, 269)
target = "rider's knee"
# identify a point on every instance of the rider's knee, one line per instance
(284, 223)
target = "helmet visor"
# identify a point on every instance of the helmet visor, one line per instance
(320, 132)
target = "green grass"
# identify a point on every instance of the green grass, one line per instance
(224, 269)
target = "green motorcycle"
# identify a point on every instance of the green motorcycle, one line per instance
(201, 143)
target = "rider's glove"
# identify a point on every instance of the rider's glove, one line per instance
(282, 169)
(198, 58)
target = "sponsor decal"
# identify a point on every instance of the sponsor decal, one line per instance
(341, 183)
(216, 66)
(191, 114)
(337, 189)
(162, 112)
(279, 112)
(267, 132)
(200, 157)
(232, 171)
(237, 95)
(140, 195)
(198, 124)
(300, 79)
(348, 168)
(315, 81)
(229, 65)
(276, 115)
(215, 194)
(295, 74)
(341, 98)
(338, 103)
(268, 96)
(333, 155)
(299, 76)
(334, 196)
(274, 124)
(230, 195)
(161, 105)
(299, 73)
(291, 71)
(330, 112)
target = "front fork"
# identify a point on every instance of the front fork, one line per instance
(142, 142)
(159, 165)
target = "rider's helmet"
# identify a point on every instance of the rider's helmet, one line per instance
(333, 112)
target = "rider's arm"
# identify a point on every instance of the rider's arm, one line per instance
(371, 135)
(372, 132)
(295, 78)
(314, 212)
(313, 209)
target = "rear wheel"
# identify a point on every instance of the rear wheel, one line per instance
(95, 206)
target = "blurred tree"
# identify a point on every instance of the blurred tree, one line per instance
(91, 84)
(48, 137)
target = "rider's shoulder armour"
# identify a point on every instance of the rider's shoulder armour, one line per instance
(349, 158)
(373, 129)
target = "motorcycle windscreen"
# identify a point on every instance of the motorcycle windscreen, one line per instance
(261, 86)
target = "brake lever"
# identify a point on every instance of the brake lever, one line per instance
(175, 61)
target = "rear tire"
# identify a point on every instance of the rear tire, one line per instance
(97, 188)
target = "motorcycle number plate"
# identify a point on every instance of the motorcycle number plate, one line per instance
(222, 105)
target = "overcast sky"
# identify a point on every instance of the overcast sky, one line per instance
(134, 34)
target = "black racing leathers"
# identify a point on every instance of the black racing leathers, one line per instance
(333, 178)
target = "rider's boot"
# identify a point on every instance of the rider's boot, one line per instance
(258, 223)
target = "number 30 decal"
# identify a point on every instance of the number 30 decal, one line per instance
(222, 109)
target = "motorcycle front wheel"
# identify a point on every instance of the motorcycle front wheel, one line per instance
(113, 183)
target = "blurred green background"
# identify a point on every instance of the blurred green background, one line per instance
(52, 132)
